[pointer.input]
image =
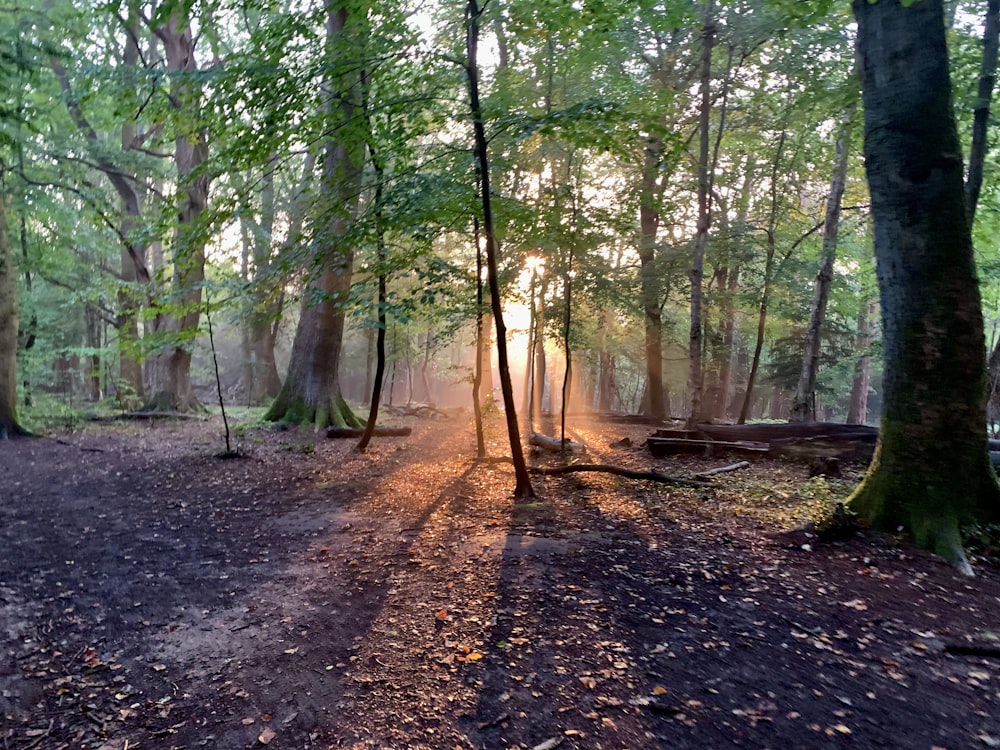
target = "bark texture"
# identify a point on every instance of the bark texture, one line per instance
(933, 342)
(190, 155)
(311, 393)
(9, 317)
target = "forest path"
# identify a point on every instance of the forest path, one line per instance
(154, 596)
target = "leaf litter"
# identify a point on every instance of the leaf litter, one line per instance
(317, 599)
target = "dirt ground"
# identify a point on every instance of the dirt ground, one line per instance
(155, 596)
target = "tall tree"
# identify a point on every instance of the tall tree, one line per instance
(311, 392)
(804, 401)
(9, 316)
(522, 486)
(931, 470)
(705, 171)
(175, 29)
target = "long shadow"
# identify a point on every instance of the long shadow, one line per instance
(162, 601)
(646, 633)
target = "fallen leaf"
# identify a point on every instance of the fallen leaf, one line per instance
(266, 736)
(248, 721)
(589, 682)
(291, 650)
(659, 690)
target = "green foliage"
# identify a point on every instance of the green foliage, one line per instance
(50, 413)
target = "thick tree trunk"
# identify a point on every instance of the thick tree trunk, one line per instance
(190, 154)
(9, 317)
(804, 401)
(311, 392)
(932, 322)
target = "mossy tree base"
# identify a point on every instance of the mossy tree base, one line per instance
(166, 401)
(931, 499)
(931, 473)
(295, 410)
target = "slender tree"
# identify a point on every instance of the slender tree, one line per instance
(695, 366)
(522, 488)
(804, 401)
(931, 470)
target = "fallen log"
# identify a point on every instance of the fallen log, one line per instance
(669, 446)
(722, 470)
(356, 432)
(555, 445)
(770, 433)
(651, 476)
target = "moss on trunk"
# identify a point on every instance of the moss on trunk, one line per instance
(931, 472)
(291, 409)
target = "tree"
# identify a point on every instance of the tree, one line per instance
(190, 156)
(804, 402)
(8, 331)
(522, 488)
(311, 392)
(931, 470)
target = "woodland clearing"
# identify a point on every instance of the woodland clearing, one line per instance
(153, 596)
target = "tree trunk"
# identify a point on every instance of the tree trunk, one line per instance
(260, 374)
(92, 374)
(695, 360)
(857, 410)
(381, 262)
(606, 385)
(477, 373)
(523, 488)
(981, 113)
(190, 155)
(486, 389)
(9, 316)
(728, 339)
(765, 293)
(931, 317)
(311, 392)
(804, 401)
(651, 282)
(131, 196)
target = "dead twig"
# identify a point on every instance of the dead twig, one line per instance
(722, 469)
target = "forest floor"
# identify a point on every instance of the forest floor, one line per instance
(155, 596)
